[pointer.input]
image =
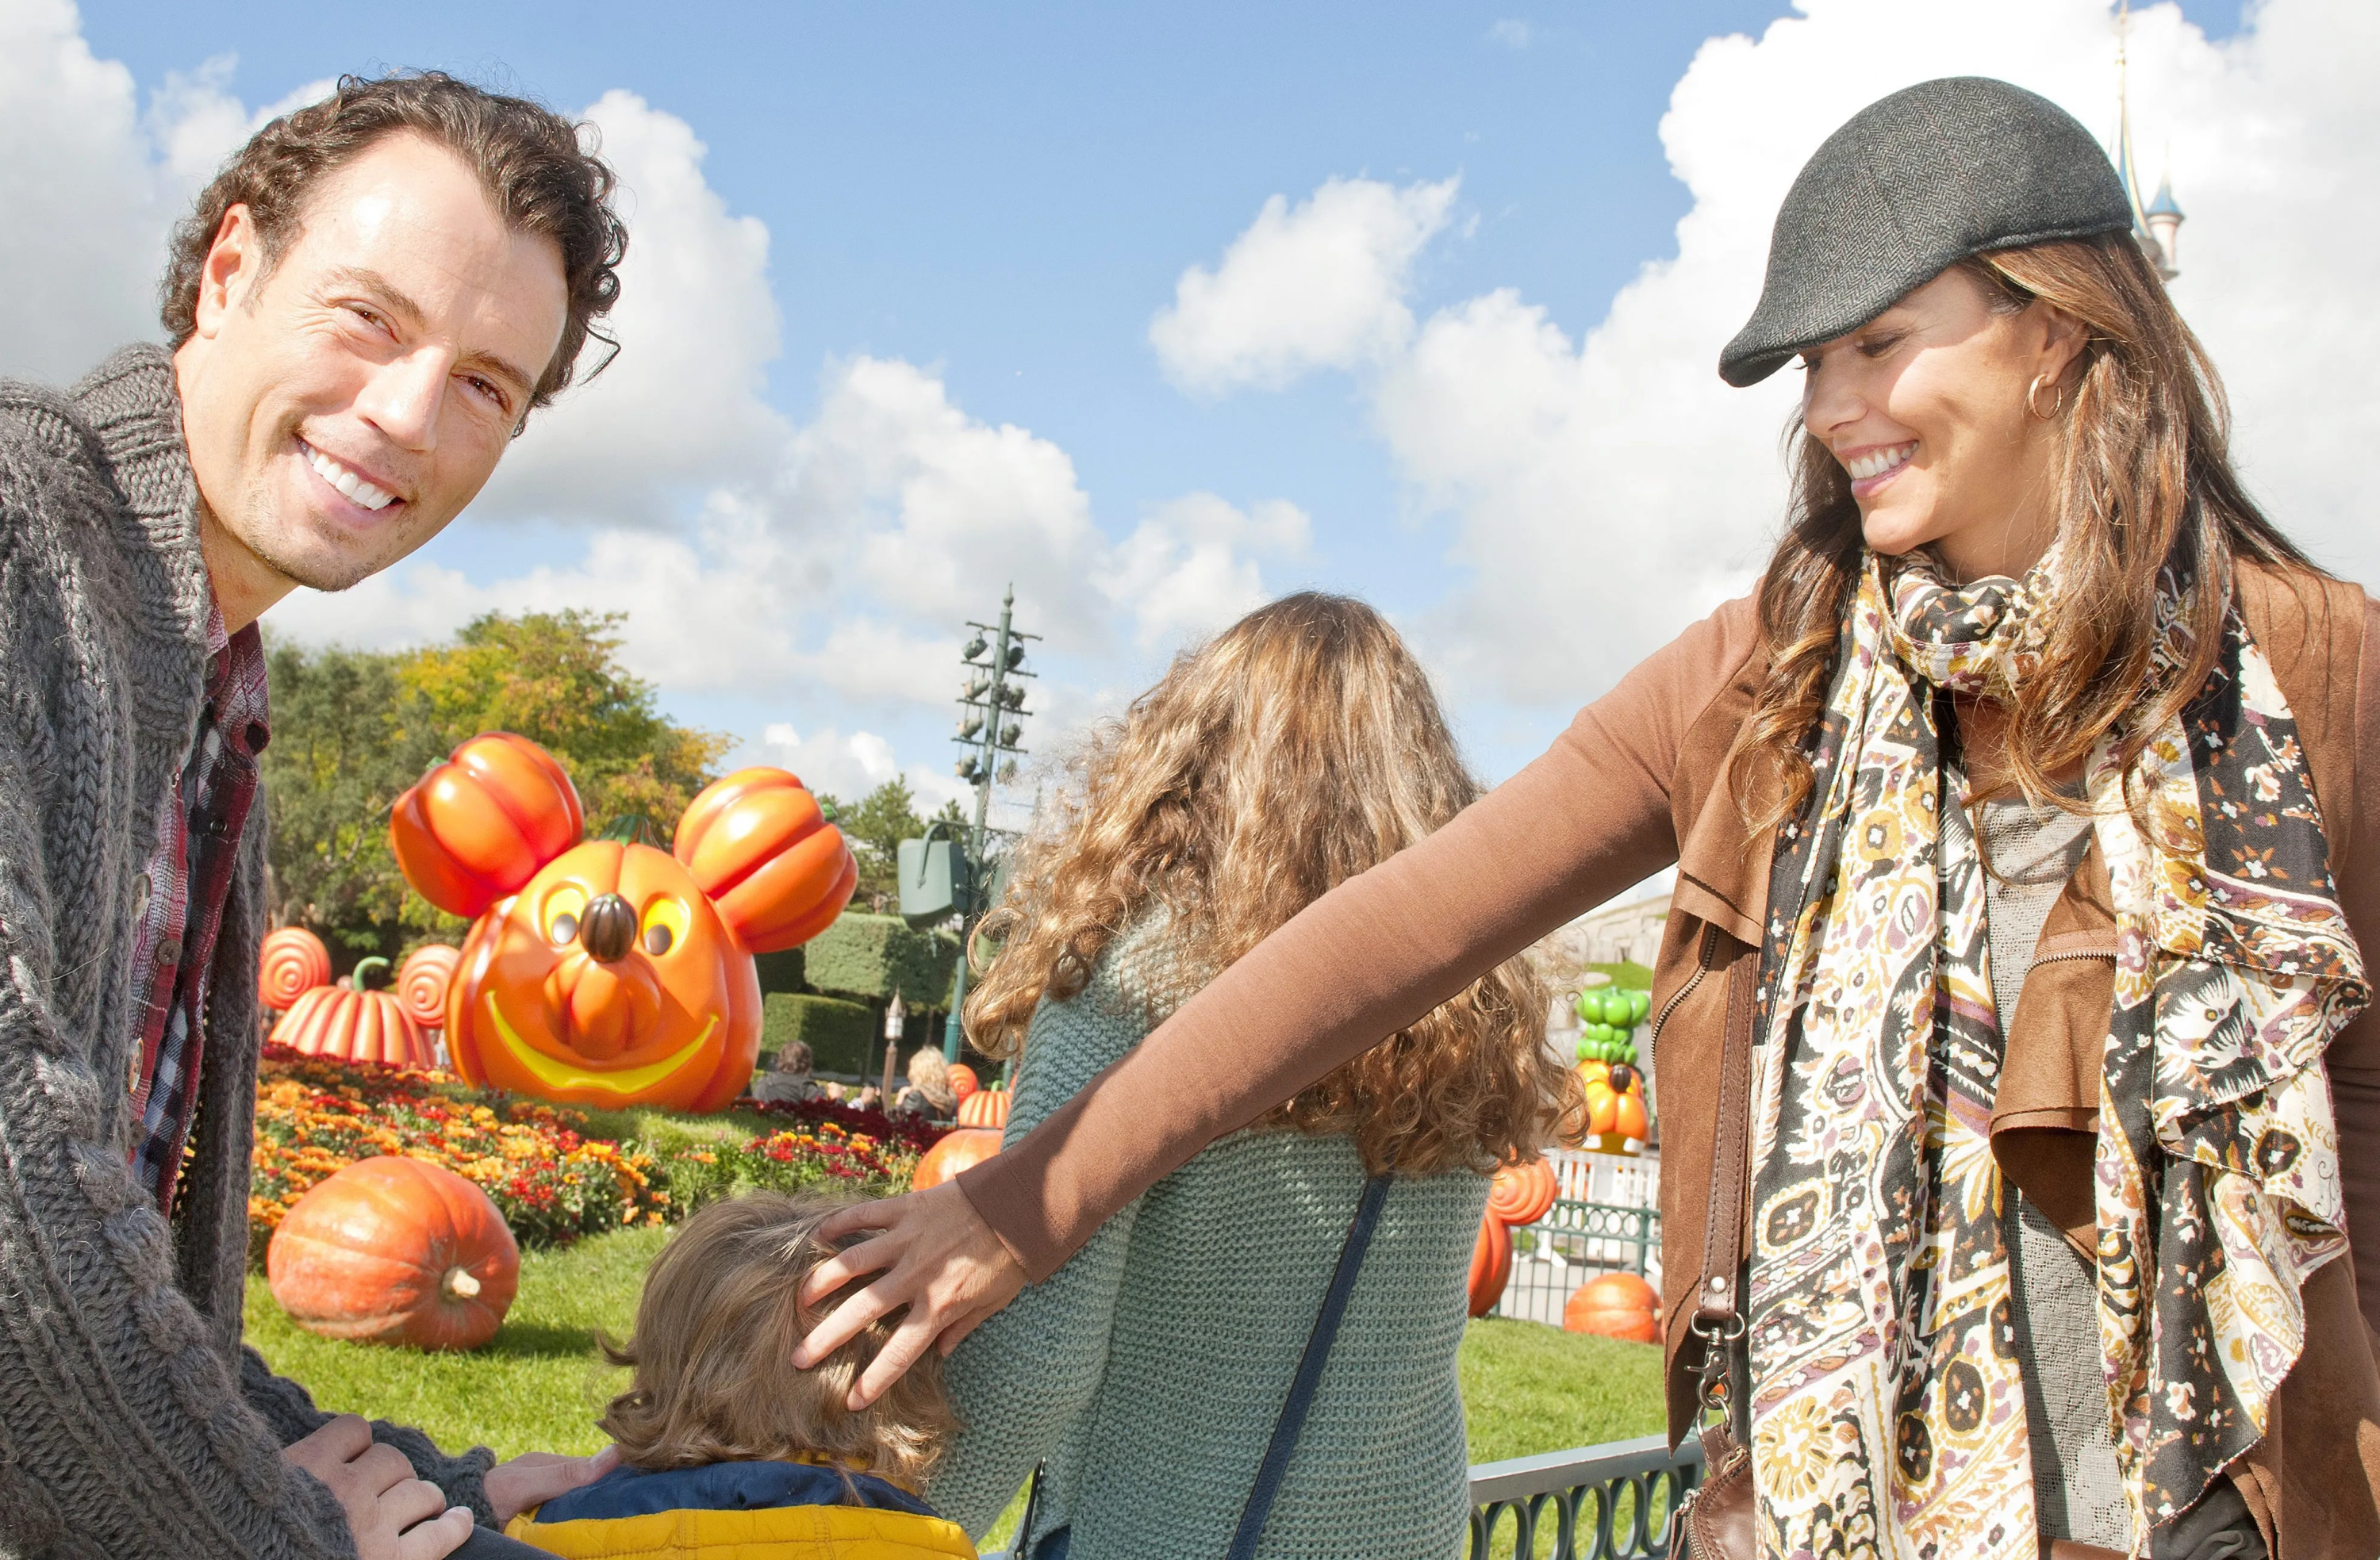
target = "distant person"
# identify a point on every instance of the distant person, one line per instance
(2012, 1019)
(929, 1091)
(788, 1081)
(364, 308)
(1300, 748)
(725, 1448)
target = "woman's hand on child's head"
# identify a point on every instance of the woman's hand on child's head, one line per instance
(534, 1478)
(934, 1255)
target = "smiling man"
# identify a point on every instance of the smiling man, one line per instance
(364, 308)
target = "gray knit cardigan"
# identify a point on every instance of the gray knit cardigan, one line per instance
(1149, 1369)
(132, 1422)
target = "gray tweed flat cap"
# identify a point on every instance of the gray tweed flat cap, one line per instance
(1911, 185)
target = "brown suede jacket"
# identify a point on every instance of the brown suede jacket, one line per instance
(1636, 784)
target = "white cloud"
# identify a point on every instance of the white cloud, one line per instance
(195, 122)
(1321, 285)
(1603, 491)
(94, 184)
(943, 507)
(1191, 567)
(680, 410)
(1512, 32)
(80, 252)
(851, 767)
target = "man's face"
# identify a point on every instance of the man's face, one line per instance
(342, 404)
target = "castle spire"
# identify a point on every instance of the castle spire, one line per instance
(2158, 224)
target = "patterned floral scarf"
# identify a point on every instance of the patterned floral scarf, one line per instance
(1888, 1409)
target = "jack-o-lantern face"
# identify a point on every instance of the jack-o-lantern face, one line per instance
(608, 980)
(607, 973)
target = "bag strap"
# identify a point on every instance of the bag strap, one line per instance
(1020, 1547)
(1302, 1387)
(1719, 1317)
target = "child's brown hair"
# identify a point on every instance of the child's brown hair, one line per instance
(713, 1354)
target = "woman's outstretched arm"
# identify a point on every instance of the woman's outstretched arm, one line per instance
(1582, 823)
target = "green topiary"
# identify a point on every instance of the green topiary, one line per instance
(779, 972)
(880, 956)
(840, 1035)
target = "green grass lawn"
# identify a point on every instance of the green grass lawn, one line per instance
(1526, 1389)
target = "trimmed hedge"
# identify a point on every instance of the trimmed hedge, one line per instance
(840, 1035)
(779, 972)
(879, 956)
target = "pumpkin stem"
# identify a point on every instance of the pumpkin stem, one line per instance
(460, 1284)
(634, 829)
(363, 966)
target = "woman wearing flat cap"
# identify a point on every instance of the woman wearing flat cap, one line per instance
(2021, 1108)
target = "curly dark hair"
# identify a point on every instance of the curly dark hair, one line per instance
(540, 172)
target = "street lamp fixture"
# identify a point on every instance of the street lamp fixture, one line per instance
(990, 757)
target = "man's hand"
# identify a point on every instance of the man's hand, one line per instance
(392, 1515)
(534, 1478)
(938, 1258)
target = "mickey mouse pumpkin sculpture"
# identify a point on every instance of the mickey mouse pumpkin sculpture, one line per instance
(608, 972)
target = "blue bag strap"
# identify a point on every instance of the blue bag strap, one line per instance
(1285, 1430)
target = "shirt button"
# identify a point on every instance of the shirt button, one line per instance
(140, 895)
(170, 951)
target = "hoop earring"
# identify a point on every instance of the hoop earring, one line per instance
(2034, 390)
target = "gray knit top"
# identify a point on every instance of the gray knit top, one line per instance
(133, 1423)
(2077, 1489)
(1147, 1370)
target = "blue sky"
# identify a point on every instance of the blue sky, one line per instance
(1520, 451)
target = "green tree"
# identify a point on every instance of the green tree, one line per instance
(875, 826)
(556, 678)
(352, 729)
(342, 751)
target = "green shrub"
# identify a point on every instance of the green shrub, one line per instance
(879, 956)
(779, 972)
(840, 1035)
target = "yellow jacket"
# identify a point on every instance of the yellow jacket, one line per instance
(740, 1511)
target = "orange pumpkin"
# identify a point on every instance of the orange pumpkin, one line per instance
(355, 1025)
(606, 974)
(609, 980)
(761, 847)
(1491, 1264)
(291, 961)
(1618, 1305)
(1522, 1193)
(958, 1151)
(477, 827)
(423, 980)
(985, 1107)
(963, 1079)
(391, 1249)
(1615, 1101)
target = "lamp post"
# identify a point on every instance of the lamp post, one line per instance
(992, 711)
(896, 1019)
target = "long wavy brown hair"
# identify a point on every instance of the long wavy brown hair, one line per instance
(2145, 481)
(1299, 748)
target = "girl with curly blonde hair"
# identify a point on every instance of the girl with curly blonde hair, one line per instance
(1298, 749)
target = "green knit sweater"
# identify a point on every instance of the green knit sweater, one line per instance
(1147, 1372)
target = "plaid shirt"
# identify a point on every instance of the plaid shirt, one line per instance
(188, 879)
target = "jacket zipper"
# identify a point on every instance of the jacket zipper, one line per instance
(1701, 968)
(2107, 953)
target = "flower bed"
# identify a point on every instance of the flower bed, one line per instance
(552, 1179)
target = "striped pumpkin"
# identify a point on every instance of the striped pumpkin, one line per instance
(349, 1024)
